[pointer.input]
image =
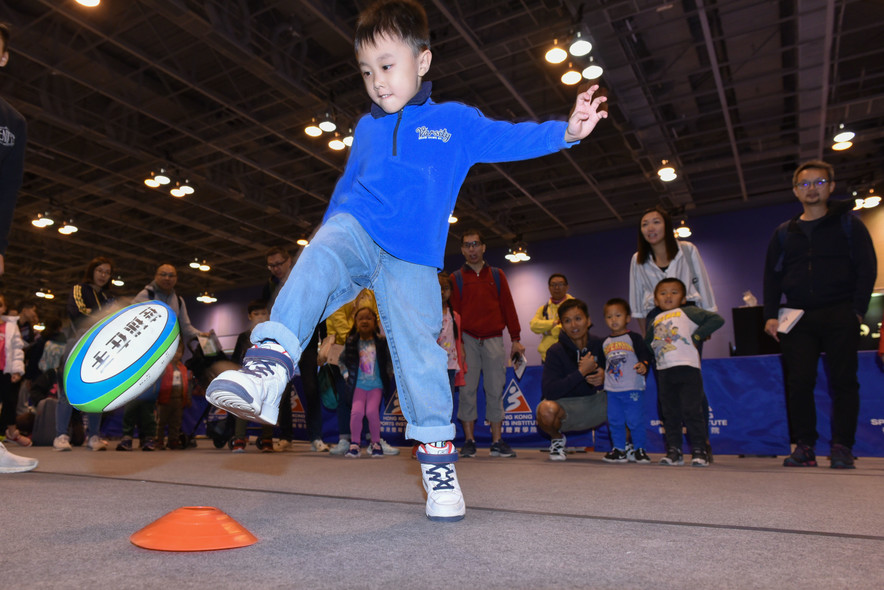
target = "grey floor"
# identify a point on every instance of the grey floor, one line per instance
(331, 522)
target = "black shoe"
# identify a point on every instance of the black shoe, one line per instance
(841, 457)
(616, 456)
(469, 449)
(673, 457)
(802, 456)
(125, 445)
(640, 456)
(501, 449)
(699, 458)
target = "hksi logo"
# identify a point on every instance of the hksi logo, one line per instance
(514, 400)
(393, 405)
(440, 134)
(297, 406)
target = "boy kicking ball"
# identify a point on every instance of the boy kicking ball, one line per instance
(385, 229)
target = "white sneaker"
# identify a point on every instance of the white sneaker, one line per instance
(557, 449)
(444, 498)
(388, 450)
(96, 443)
(317, 446)
(254, 391)
(341, 448)
(282, 445)
(62, 442)
(10, 463)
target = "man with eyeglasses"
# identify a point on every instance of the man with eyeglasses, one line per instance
(162, 288)
(823, 261)
(546, 321)
(481, 295)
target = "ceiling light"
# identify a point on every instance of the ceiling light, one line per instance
(348, 139)
(452, 218)
(518, 252)
(336, 144)
(187, 187)
(204, 267)
(176, 191)
(67, 228)
(571, 77)
(328, 123)
(151, 181)
(89, 3)
(312, 129)
(206, 297)
(39, 327)
(45, 294)
(593, 70)
(42, 220)
(683, 230)
(843, 135)
(195, 263)
(843, 145)
(580, 46)
(118, 281)
(870, 202)
(161, 177)
(302, 241)
(667, 172)
(556, 55)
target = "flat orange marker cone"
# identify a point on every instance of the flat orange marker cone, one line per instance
(193, 528)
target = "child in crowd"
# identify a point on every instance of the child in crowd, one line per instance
(257, 313)
(367, 372)
(450, 338)
(12, 367)
(174, 396)
(673, 337)
(626, 362)
(573, 375)
(385, 229)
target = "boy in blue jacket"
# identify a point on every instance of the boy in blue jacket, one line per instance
(385, 229)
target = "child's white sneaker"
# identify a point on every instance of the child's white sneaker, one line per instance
(254, 391)
(444, 498)
(62, 442)
(10, 463)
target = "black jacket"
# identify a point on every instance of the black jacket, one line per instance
(836, 264)
(560, 375)
(350, 359)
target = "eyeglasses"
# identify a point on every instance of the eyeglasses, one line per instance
(819, 183)
(474, 244)
(558, 284)
(167, 275)
(274, 265)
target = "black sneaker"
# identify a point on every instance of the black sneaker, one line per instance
(699, 458)
(640, 456)
(615, 456)
(841, 457)
(802, 456)
(125, 444)
(469, 449)
(673, 457)
(501, 449)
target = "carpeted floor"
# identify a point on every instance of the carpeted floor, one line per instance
(332, 522)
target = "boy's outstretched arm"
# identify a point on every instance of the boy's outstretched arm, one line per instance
(587, 112)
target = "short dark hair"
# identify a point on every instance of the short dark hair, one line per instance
(644, 248)
(830, 171)
(554, 275)
(89, 275)
(405, 19)
(569, 304)
(472, 232)
(4, 36)
(673, 280)
(25, 304)
(256, 305)
(444, 279)
(277, 250)
(621, 302)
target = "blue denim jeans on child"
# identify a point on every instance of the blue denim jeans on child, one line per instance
(341, 260)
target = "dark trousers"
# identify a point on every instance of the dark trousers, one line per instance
(834, 331)
(310, 382)
(680, 393)
(9, 398)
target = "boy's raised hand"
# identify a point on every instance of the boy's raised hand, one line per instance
(588, 110)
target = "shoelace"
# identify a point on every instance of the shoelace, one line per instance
(558, 446)
(441, 476)
(258, 368)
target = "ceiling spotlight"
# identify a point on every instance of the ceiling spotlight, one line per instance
(44, 293)
(118, 281)
(67, 228)
(302, 241)
(206, 297)
(151, 181)
(176, 190)
(187, 187)
(518, 252)
(328, 123)
(593, 70)
(348, 139)
(312, 129)
(571, 77)
(452, 218)
(161, 177)
(39, 327)
(42, 220)
(580, 46)
(667, 172)
(204, 267)
(195, 263)
(556, 55)
(683, 230)
(843, 135)
(89, 3)
(336, 144)
(842, 145)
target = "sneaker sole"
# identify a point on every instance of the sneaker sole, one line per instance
(615, 460)
(233, 398)
(62, 450)
(23, 468)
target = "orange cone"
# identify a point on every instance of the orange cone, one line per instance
(193, 528)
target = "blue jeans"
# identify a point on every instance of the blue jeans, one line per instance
(626, 408)
(341, 260)
(63, 413)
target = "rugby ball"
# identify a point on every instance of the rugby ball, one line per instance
(121, 356)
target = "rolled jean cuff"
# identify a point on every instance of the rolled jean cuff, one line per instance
(430, 434)
(276, 331)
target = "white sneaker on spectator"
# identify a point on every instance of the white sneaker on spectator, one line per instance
(444, 497)
(317, 446)
(62, 442)
(557, 449)
(10, 463)
(342, 447)
(388, 450)
(254, 391)
(96, 443)
(282, 445)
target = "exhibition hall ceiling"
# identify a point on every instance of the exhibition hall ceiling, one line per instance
(733, 94)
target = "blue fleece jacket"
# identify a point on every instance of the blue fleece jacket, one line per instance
(406, 169)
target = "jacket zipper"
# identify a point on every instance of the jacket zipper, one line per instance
(396, 132)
